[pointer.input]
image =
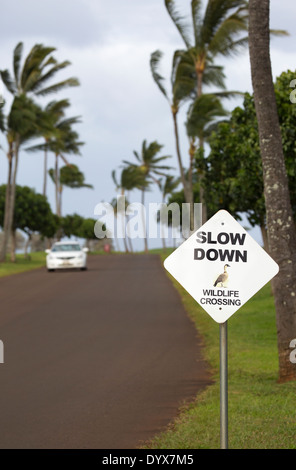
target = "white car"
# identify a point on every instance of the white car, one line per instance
(64, 255)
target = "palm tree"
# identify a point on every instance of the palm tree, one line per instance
(53, 112)
(70, 176)
(130, 178)
(149, 165)
(60, 138)
(280, 223)
(38, 68)
(216, 32)
(66, 142)
(21, 125)
(29, 78)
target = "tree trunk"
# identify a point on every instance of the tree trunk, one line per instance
(144, 222)
(12, 194)
(162, 231)
(56, 178)
(6, 209)
(280, 225)
(181, 169)
(199, 77)
(27, 244)
(201, 188)
(186, 183)
(60, 192)
(45, 173)
(13, 246)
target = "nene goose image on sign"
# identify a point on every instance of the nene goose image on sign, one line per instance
(198, 263)
(222, 278)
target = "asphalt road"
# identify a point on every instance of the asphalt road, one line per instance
(101, 359)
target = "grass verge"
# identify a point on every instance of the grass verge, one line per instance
(36, 260)
(261, 412)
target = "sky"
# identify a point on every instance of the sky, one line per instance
(109, 44)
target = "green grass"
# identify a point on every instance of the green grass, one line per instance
(261, 412)
(36, 260)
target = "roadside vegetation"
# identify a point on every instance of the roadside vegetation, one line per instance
(22, 264)
(261, 410)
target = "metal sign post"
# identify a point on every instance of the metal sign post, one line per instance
(223, 387)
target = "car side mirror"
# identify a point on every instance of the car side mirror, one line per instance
(86, 250)
(47, 251)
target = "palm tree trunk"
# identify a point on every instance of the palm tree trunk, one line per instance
(13, 246)
(124, 234)
(60, 192)
(177, 141)
(199, 75)
(123, 219)
(26, 256)
(280, 225)
(144, 221)
(129, 240)
(187, 184)
(45, 173)
(56, 177)
(12, 192)
(6, 209)
(201, 188)
(161, 230)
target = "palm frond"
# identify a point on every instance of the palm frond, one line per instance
(228, 94)
(183, 76)
(50, 73)
(154, 64)
(225, 40)
(196, 19)
(178, 21)
(33, 63)
(222, 21)
(137, 155)
(2, 120)
(17, 56)
(58, 86)
(8, 81)
(113, 174)
(38, 147)
(278, 32)
(205, 109)
(52, 175)
(214, 75)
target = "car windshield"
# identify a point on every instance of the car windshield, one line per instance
(66, 247)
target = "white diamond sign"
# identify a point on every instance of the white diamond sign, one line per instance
(221, 266)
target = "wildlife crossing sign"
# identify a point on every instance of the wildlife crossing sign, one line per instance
(221, 266)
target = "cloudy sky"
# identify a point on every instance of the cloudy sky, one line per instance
(109, 43)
